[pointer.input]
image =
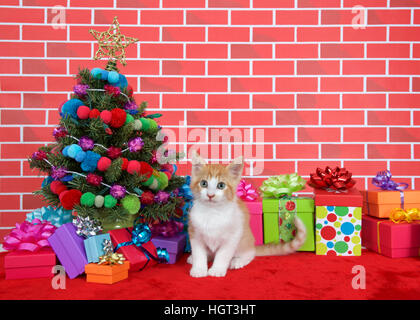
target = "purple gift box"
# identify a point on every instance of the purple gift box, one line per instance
(69, 249)
(174, 245)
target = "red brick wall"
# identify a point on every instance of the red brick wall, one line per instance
(324, 92)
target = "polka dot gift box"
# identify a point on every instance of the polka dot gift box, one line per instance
(338, 222)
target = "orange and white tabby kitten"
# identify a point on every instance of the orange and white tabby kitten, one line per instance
(219, 222)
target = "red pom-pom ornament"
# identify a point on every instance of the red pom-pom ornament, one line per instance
(94, 113)
(118, 118)
(114, 152)
(104, 163)
(106, 116)
(94, 179)
(146, 170)
(124, 165)
(133, 166)
(83, 112)
(57, 187)
(70, 198)
(147, 197)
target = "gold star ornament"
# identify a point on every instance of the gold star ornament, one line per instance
(112, 44)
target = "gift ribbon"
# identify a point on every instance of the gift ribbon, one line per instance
(383, 181)
(288, 206)
(332, 180)
(141, 234)
(29, 236)
(246, 192)
(167, 228)
(57, 216)
(279, 186)
(87, 227)
(398, 215)
(186, 193)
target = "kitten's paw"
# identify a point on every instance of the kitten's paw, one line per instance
(189, 259)
(198, 272)
(217, 272)
(237, 263)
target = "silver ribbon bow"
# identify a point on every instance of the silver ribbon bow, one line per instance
(87, 227)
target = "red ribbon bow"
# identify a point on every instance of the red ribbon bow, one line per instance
(336, 179)
(29, 236)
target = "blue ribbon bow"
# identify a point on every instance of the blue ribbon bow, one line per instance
(57, 216)
(186, 193)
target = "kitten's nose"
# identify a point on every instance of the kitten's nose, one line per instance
(210, 196)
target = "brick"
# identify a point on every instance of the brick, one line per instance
(404, 34)
(39, 3)
(389, 16)
(319, 101)
(207, 50)
(22, 117)
(362, 101)
(343, 117)
(273, 101)
(161, 17)
(138, 3)
(161, 84)
(307, 167)
(318, 34)
(416, 19)
(9, 202)
(169, 117)
(296, 51)
(417, 153)
(404, 67)
(31, 202)
(415, 84)
(72, 50)
(207, 17)
(251, 118)
(152, 99)
(342, 50)
(9, 66)
(186, 101)
(297, 151)
(183, 67)
(296, 17)
(273, 34)
(297, 118)
(342, 17)
(387, 84)
(9, 32)
(404, 3)
(228, 34)
(22, 49)
(141, 67)
(27, 83)
(37, 66)
(296, 84)
(43, 100)
(38, 134)
(161, 50)
(319, 3)
(388, 50)
(43, 33)
(212, 152)
(76, 65)
(251, 17)
(184, 4)
(146, 33)
(53, 118)
(60, 83)
(18, 151)
(183, 34)
(10, 100)
(405, 168)
(388, 118)
(206, 84)
(367, 34)
(9, 134)
(92, 3)
(9, 219)
(364, 3)
(72, 16)
(273, 68)
(364, 67)
(251, 84)
(273, 134)
(342, 151)
(314, 67)
(228, 67)
(22, 15)
(332, 84)
(416, 118)
(271, 168)
(273, 4)
(363, 134)
(207, 118)
(404, 100)
(252, 152)
(364, 168)
(251, 51)
(228, 101)
(228, 3)
(318, 134)
(389, 151)
(404, 134)
(107, 16)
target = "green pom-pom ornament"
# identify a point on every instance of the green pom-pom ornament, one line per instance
(99, 201)
(110, 201)
(163, 179)
(131, 203)
(129, 118)
(87, 199)
(152, 124)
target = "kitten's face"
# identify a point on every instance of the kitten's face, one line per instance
(215, 183)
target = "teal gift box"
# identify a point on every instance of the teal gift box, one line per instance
(94, 247)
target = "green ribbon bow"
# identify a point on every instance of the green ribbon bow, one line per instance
(284, 184)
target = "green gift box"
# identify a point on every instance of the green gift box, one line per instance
(278, 218)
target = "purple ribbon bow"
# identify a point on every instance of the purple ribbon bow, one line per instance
(383, 181)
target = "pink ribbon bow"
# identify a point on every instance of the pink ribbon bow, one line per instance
(246, 192)
(29, 236)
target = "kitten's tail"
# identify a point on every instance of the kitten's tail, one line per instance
(278, 249)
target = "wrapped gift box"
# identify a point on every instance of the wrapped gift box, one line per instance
(70, 249)
(94, 246)
(174, 245)
(394, 240)
(255, 220)
(338, 222)
(274, 221)
(132, 253)
(26, 264)
(379, 203)
(107, 274)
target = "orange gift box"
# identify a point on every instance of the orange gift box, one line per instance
(108, 274)
(379, 203)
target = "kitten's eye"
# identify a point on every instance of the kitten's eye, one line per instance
(221, 185)
(203, 184)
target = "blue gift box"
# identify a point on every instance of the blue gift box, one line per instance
(94, 247)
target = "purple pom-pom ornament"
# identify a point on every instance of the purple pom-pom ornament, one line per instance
(59, 132)
(131, 105)
(86, 143)
(117, 191)
(135, 144)
(162, 197)
(80, 89)
(58, 172)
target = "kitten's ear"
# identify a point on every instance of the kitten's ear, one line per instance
(197, 162)
(236, 166)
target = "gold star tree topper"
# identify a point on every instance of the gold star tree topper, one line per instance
(112, 44)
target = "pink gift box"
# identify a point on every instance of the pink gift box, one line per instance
(255, 220)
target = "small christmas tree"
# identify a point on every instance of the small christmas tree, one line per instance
(109, 160)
